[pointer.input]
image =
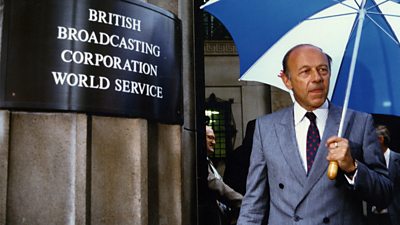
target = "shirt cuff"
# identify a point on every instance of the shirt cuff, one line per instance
(352, 177)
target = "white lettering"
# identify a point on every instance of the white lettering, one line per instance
(114, 19)
(138, 88)
(92, 15)
(63, 56)
(62, 32)
(101, 38)
(81, 80)
(108, 61)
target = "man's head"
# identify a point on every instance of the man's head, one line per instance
(210, 140)
(307, 71)
(383, 136)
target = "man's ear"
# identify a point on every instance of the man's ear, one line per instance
(286, 80)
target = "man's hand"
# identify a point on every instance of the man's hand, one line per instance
(339, 150)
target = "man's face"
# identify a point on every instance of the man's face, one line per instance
(308, 77)
(210, 137)
(381, 140)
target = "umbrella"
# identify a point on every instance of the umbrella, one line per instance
(263, 30)
(362, 37)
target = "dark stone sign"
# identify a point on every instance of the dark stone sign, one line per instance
(108, 57)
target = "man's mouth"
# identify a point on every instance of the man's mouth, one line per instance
(316, 90)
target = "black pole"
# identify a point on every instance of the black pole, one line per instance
(202, 172)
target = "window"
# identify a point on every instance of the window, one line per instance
(214, 29)
(219, 114)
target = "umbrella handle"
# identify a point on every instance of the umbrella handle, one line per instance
(332, 170)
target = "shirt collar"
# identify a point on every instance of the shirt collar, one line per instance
(321, 113)
(387, 157)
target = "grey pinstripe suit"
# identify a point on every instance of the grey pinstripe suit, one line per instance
(280, 192)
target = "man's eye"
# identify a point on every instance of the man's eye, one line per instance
(323, 70)
(304, 72)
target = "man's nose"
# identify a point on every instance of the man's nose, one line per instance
(316, 76)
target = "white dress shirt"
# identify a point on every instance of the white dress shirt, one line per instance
(301, 124)
(387, 157)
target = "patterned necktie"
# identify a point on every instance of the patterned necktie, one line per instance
(313, 140)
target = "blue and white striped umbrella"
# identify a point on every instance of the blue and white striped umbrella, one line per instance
(362, 37)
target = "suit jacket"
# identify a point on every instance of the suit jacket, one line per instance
(394, 174)
(279, 190)
(394, 207)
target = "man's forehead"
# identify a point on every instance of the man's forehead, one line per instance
(209, 129)
(309, 57)
(210, 134)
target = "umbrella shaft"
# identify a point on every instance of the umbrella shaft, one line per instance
(360, 23)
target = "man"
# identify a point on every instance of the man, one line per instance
(226, 197)
(390, 215)
(287, 182)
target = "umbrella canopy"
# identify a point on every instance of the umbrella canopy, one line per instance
(264, 30)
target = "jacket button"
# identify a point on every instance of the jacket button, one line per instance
(296, 218)
(325, 220)
(281, 186)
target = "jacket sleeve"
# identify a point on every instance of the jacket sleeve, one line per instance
(224, 193)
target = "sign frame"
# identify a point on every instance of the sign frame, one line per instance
(48, 67)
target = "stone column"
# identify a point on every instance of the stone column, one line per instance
(47, 169)
(169, 174)
(173, 180)
(119, 167)
(189, 185)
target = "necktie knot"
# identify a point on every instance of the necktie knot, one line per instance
(311, 116)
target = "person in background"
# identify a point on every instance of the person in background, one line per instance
(391, 214)
(227, 199)
(238, 161)
(287, 181)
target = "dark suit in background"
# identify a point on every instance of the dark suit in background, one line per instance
(238, 161)
(391, 214)
(394, 174)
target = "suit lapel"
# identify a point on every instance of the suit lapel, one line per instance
(320, 165)
(288, 145)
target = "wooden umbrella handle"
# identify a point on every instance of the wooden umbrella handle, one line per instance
(332, 170)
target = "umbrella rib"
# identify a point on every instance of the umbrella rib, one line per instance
(383, 14)
(376, 5)
(330, 16)
(359, 6)
(383, 30)
(349, 6)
